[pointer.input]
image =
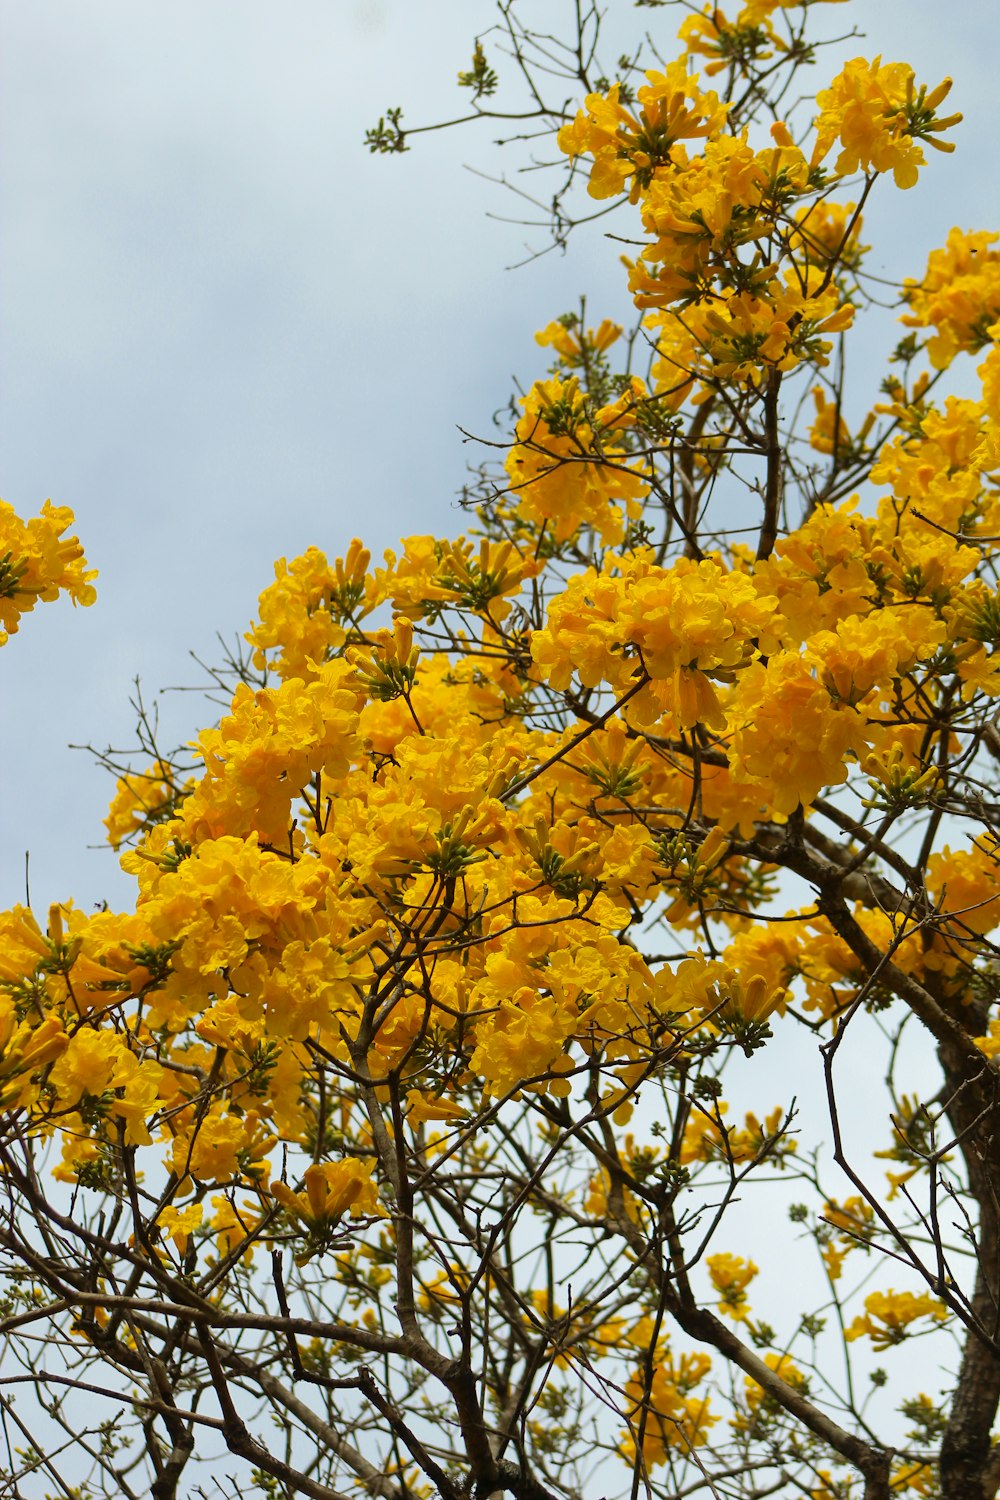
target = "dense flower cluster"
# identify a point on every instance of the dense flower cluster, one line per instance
(38, 562)
(958, 296)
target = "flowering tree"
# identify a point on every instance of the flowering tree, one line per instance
(383, 1149)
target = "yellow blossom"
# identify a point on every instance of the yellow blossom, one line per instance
(624, 145)
(958, 296)
(332, 1189)
(677, 1417)
(38, 562)
(888, 1316)
(878, 116)
(731, 1275)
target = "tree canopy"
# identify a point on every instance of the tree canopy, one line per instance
(405, 1138)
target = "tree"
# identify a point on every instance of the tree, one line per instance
(383, 1148)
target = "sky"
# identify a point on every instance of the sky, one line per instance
(229, 332)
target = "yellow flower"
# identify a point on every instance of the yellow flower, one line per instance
(24, 1051)
(332, 1189)
(267, 749)
(671, 108)
(913, 1479)
(523, 1040)
(829, 433)
(305, 612)
(702, 210)
(573, 345)
(422, 1106)
(853, 1221)
(223, 1148)
(676, 1419)
(966, 884)
(828, 234)
(871, 653)
(37, 562)
(727, 44)
(706, 1140)
(958, 296)
(791, 739)
(443, 1291)
(878, 117)
(141, 799)
(889, 1315)
(180, 1224)
(90, 1064)
(235, 1227)
(563, 471)
(731, 1275)
(740, 335)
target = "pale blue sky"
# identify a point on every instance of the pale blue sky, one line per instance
(228, 331)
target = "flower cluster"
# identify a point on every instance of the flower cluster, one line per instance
(627, 146)
(889, 1315)
(38, 562)
(878, 116)
(958, 296)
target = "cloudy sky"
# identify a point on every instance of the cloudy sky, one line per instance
(229, 332)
